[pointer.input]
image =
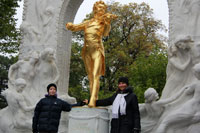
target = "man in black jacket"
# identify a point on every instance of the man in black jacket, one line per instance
(48, 111)
(125, 110)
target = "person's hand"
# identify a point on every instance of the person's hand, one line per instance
(86, 101)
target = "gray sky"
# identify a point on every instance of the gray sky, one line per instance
(159, 7)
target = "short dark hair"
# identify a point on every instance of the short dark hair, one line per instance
(52, 84)
(124, 80)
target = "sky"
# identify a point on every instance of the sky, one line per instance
(159, 7)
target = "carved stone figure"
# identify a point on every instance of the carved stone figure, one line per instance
(45, 16)
(179, 66)
(152, 109)
(182, 114)
(189, 112)
(93, 50)
(20, 112)
(30, 33)
(25, 69)
(46, 70)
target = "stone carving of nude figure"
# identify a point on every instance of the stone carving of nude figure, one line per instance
(17, 105)
(189, 112)
(152, 109)
(46, 70)
(93, 50)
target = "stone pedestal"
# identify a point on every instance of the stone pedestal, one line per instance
(88, 120)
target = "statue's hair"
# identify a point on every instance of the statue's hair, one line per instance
(99, 2)
(150, 94)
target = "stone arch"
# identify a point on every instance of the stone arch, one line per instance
(67, 14)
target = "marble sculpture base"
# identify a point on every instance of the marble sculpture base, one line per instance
(88, 120)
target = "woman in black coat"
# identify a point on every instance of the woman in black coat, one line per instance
(125, 110)
(48, 111)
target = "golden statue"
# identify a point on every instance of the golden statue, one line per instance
(93, 50)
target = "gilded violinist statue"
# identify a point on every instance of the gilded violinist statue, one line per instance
(93, 49)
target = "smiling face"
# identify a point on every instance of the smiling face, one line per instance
(52, 91)
(122, 86)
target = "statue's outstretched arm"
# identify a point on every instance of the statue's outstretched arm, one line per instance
(76, 27)
(107, 18)
(171, 99)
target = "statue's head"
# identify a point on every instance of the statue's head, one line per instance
(183, 42)
(48, 54)
(150, 95)
(99, 7)
(196, 71)
(20, 84)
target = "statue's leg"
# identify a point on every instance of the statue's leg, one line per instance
(90, 83)
(89, 65)
(97, 57)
